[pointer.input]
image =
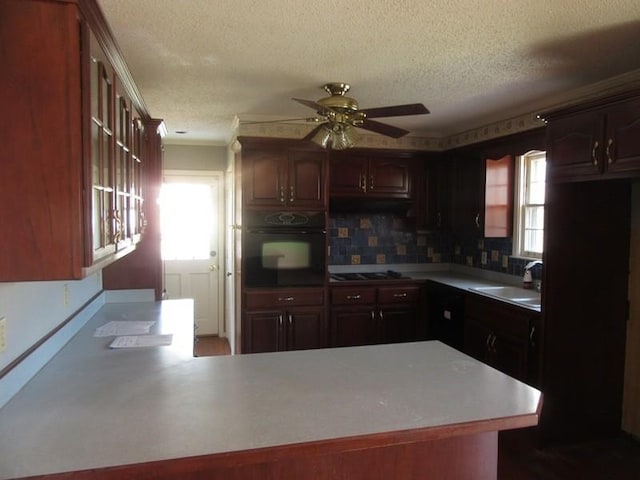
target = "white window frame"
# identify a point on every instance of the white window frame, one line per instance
(522, 177)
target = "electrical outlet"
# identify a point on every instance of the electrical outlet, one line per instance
(484, 258)
(65, 295)
(3, 334)
(505, 261)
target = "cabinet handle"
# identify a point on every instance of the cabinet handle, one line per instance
(286, 299)
(117, 235)
(439, 221)
(292, 194)
(531, 338)
(493, 344)
(353, 297)
(371, 182)
(400, 295)
(594, 152)
(279, 334)
(477, 220)
(281, 194)
(363, 182)
(142, 222)
(290, 318)
(381, 315)
(487, 342)
(373, 315)
(609, 143)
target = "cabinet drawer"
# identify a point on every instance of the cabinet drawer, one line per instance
(404, 294)
(284, 297)
(353, 296)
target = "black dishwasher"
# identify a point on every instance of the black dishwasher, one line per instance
(445, 308)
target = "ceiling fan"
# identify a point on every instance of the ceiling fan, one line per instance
(339, 114)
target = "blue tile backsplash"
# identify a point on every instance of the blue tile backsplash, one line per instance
(390, 238)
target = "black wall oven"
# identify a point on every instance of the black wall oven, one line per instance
(284, 249)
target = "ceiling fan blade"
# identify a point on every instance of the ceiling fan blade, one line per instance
(383, 128)
(311, 104)
(255, 122)
(395, 111)
(313, 131)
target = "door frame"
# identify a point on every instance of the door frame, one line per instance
(208, 176)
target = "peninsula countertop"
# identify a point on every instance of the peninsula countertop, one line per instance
(94, 407)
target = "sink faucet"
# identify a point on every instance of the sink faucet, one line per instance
(532, 264)
(528, 281)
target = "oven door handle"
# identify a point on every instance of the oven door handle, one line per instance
(286, 231)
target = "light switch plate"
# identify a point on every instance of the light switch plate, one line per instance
(3, 334)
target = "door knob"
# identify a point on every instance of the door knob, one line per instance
(229, 274)
(213, 268)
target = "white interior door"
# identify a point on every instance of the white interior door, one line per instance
(192, 213)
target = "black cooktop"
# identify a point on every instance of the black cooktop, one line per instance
(388, 275)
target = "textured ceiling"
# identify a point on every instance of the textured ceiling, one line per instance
(201, 63)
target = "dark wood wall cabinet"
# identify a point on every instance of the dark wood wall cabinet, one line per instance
(361, 174)
(283, 319)
(76, 146)
(366, 314)
(595, 140)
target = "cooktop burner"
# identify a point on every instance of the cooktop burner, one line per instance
(389, 274)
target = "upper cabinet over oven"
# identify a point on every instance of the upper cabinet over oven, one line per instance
(76, 142)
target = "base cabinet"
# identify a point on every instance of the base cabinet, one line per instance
(278, 320)
(366, 315)
(502, 335)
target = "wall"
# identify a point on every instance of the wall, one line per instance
(195, 157)
(33, 309)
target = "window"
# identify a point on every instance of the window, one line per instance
(529, 212)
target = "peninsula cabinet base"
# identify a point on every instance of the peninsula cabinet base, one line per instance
(466, 457)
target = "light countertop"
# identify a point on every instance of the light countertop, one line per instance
(93, 407)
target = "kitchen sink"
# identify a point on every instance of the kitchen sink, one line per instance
(529, 298)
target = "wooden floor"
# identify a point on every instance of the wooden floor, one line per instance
(207, 346)
(611, 459)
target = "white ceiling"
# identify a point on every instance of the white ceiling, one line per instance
(201, 63)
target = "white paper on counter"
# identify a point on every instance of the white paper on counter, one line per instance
(120, 327)
(134, 341)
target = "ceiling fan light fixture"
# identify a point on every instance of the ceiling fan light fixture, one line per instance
(323, 136)
(345, 136)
